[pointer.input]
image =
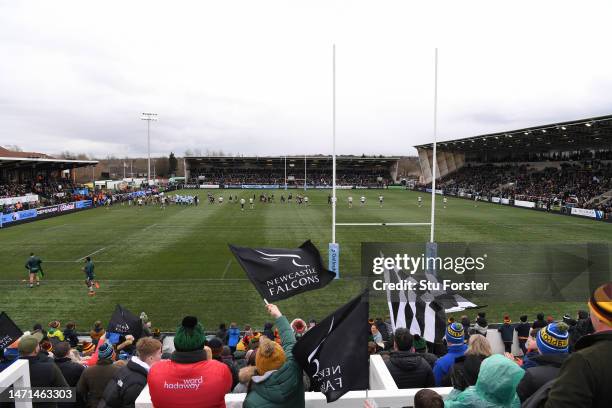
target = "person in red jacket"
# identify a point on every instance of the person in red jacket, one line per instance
(188, 379)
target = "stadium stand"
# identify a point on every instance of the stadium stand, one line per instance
(32, 180)
(316, 170)
(557, 166)
(577, 183)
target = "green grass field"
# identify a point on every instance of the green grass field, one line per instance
(174, 262)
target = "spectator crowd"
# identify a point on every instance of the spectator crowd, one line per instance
(313, 178)
(574, 185)
(562, 363)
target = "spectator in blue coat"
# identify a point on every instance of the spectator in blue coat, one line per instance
(233, 336)
(455, 337)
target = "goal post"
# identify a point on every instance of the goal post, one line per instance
(334, 247)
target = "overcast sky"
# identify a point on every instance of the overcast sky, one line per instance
(255, 77)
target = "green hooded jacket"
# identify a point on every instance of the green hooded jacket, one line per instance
(283, 387)
(495, 387)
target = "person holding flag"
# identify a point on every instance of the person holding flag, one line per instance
(34, 267)
(90, 278)
(278, 381)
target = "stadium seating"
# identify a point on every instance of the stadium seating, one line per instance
(576, 184)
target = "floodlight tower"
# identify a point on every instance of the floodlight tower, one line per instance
(149, 117)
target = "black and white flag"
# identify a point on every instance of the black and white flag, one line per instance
(422, 312)
(334, 353)
(280, 273)
(9, 332)
(125, 322)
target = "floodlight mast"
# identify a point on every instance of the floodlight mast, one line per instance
(148, 116)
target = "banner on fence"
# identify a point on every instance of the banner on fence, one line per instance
(586, 212)
(526, 204)
(28, 198)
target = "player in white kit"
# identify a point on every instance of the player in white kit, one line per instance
(350, 201)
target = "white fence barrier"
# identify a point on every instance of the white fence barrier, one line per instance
(17, 375)
(382, 387)
(383, 391)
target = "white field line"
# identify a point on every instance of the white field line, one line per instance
(74, 261)
(93, 253)
(149, 226)
(226, 268)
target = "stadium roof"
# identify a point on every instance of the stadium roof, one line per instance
(322, 158)
(573, 135)
(47, 163)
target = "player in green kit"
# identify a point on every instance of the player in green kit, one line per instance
(90, 278)
(34, 267)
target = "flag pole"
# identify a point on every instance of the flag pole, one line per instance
(266, 302)
(434, 158)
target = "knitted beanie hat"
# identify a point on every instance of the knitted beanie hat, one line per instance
(454, 334)
(88, 347)
(189, 335)
(553, 338)
(419, 343)
(600, 303)
(270, 356)
(105, 351)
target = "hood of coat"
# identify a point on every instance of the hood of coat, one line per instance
(278, 385)
(498, 379)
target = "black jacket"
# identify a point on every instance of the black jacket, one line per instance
(585, 376)
(410, 370)
(548, 366)
(507, 332)
(580, 329)
(71, 337)
(125, 386)
(71, 371)
(523, 329)
(538, 324)
(430, 358)
(464, 372)
(44, 373)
